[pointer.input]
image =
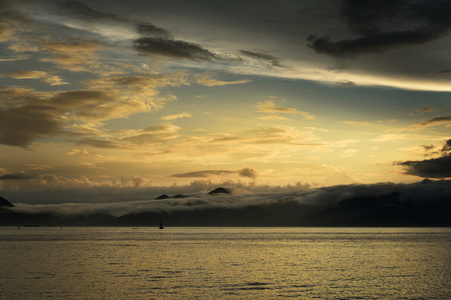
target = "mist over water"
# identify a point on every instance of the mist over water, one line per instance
(230, 263)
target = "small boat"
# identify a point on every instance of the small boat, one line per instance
(161, 225)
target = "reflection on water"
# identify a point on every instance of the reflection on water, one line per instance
(232, 263)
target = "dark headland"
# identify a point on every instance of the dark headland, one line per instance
(5, 203)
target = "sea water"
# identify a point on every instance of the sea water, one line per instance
(225, 263)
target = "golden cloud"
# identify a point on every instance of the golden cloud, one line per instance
(29, 115)
(75, 56)
(176, 116)
(44, 76)
(357, 123)
(152, 134)
(213, 82)
(270, 107)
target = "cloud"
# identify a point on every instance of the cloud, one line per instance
(213, 82)
(105, 144)
(241, 141)
(150, 30)
(15, 176)
(245, 172)
(275, 135)
(137, 84)
(391, 137)
(348, 153)
(176, 116)
(428, 147)
(347, 83)
(102, 20)
(270, 107)
(317, 129)
(153, 134)
(272, 61)
(248, 172)
(130, 94)
(175, 49)
(88, 14)
(75, 56)
(384, 25)
(152, 40)
(429, 108)
(437, 121)
(358, 123)
(424, 109)
(28, 115)
(12, 21)
(204, 173)
(48, 78)
(34, 118)
(14, 58)
(272, 117)
(431, 168)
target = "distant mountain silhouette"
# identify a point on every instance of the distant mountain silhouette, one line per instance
(5, 203)
(161, 197)
(12, 218)
(179, 196)
(394, 209)
(219, 190)
(384, 210)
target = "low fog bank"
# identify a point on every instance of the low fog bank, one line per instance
(119, 193)
(425, 203)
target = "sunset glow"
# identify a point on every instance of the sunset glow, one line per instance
(130, 96)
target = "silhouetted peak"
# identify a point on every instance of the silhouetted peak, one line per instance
(164, 196)
(4, 202)
(179, 196)
(219, 190)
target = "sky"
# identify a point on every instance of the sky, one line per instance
(124, 100)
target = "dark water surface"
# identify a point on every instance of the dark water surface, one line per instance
(226, 263)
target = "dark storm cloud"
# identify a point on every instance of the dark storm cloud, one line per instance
(269, 59)
(172, 48)
(386, 24)
(432, 168)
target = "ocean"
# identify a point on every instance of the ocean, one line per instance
(225, 263)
